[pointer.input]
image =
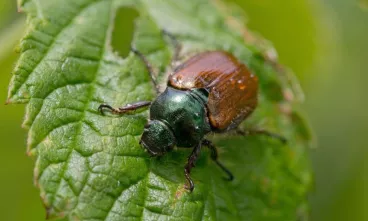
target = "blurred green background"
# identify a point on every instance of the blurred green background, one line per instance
(324, 41)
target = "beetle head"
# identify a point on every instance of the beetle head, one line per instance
(157, 138)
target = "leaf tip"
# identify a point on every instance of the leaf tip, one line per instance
(20, 4)
(30, 153)
(9, 100)
(47, 207)
(48, 212)
(288, 95)
(51, 213)
(19, 7)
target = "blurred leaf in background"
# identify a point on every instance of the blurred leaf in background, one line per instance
(290, 25)
(364, 4)
(331, 59)
(19, 198)
(325, 43)
(335, 84)
(337, 107)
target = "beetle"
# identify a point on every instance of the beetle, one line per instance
(210, 92)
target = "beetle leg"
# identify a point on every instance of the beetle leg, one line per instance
(262, 132)
(126, 108)
(149, 68)
(214, 157)
(177, 48)
(190, 164)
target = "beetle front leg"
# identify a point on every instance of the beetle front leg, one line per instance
(126, 108)
(190, 164)
(214, 157)
(262, 132)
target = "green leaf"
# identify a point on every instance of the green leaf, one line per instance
(91, 167)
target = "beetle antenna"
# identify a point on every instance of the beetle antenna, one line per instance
(148, 66)
(177, 47)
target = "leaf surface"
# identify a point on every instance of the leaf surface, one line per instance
(91, 167)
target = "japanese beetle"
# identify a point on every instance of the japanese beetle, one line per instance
(210, 92)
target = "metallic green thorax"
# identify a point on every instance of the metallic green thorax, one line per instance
(177, 117)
